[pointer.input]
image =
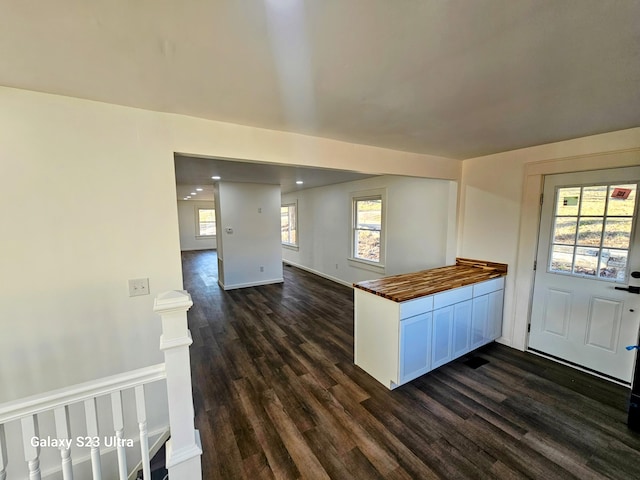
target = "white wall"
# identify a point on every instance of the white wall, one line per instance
(187, 223)
(85, 199)
(249, 252)
(500, 204)
(420, 214)
(88, 201)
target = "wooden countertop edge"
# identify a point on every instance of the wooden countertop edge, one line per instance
(487, 271)
(499, 267)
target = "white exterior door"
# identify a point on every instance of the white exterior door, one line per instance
(587, 248)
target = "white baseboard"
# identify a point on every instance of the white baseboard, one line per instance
(320, 274)
(506, 342)
(197, 249)
(250, 284)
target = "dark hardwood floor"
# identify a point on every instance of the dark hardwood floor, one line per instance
(277, 396)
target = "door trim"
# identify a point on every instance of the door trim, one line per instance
(515, 332)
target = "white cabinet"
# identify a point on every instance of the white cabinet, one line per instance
(451, 332)
(415, 358)
(396, 342)
(486, 322)
(442, 335)
(494, 320)
(416, 307)
(479, 320)
(461, 342)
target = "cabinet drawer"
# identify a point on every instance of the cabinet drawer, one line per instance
(452, 296)
(416, 307)
(488, 286)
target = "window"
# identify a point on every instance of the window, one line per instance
(289, 224)
(206, 222)
(592, 231)
(367, 228)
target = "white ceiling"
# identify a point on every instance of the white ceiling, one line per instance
(456, 78)
(196, 172)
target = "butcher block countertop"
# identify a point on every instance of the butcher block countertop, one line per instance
(408, 286)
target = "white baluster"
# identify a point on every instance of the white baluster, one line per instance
(184, 448)
(118, 425)
(141, 410)
(3, 454)
(63, 431)
(31, 452)
(91, 416)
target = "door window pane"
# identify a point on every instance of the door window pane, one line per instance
(568, 202)
(592, 231)
(589, 231)
(618, 233)
(613, 264)
(586, 261)
(565, 230)
(561, 259)
(594, 200)
(618, 204)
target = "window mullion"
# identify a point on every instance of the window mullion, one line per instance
(602, 232)
(575, 238)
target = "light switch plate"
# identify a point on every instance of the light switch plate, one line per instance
(138, 286)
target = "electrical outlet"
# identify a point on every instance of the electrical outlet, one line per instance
(138, 286)
(262, 269)
(336, 266)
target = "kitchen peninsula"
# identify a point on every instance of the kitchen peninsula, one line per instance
(409, 324)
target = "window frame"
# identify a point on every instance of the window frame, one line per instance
(294, 245)
(354, 197)
(197, 209)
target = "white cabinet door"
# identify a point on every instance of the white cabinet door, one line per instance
(479, 320)
(414, 347)
(461, 328)
(494, 317)
(442, 335)
(486, 321)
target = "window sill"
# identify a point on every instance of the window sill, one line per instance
(364, 265)
(290, 246)
(205, 237)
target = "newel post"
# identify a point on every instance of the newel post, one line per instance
(183, 448)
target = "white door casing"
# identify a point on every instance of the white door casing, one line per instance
(587, 247)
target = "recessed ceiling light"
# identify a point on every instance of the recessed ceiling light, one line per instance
(215, 177)
(193, 193)
(186, 198)
(299, 182)
(198, 189)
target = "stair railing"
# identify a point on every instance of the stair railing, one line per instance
(183, 448)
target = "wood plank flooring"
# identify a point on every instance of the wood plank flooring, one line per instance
(277, 396)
